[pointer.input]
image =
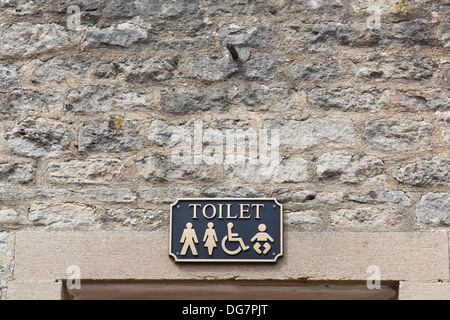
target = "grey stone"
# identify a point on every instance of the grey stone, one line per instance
(38, 138)
(308, 5)
(115, 135)
(445, 36)
(140, 219)
(308, 220)
(329, 33)
(27, 38)
(253, 36)
(367, 219)
(311, 132)
(316, 70)
(151, 8)
(432, 100)
(167, 135)
(9, 219)
(213, 69)
(17, 172)
(231, 7)
(167, 194)
(426, 172)
(264, 98)
(434, 209)
(259, 69)
(91, 171)
(23, 101)
(178, 45)
(194, 101)
(348, 168)
(232, 192)
(109, 195)
(58, 69)
(152, 69)
(397, 67)
(99, 99)
(447, 130)
(396, 134)
(59, 216)
(7, 242)
(124, 34)
(345, 99)
(381, 196)
(406, 32)
(9, 74)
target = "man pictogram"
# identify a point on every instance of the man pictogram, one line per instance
(189, 237)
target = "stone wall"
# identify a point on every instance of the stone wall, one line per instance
(90, 113)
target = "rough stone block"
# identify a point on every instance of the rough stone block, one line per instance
(348, 168)
(434, 209)
(123, 35)
(194, 101)
(432, 100)
(58, 69)
(38, 138)
(115, 135)
(28, 38)
(60, 216)
(426, 172)
(91, 171)
(381, 196)
(346, 99)
(151, 8)
(396, 134)
(17, 172)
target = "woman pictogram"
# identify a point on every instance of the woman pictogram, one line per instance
(210, 238)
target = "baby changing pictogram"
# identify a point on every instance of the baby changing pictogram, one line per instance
(226, 230)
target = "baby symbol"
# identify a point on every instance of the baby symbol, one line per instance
(262, 236)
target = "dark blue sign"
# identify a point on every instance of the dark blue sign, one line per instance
(226, 230)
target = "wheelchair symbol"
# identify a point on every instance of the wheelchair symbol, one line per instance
(233, 237)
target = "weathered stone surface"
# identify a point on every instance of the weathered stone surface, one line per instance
(9, 219)
(23, 101)
(306, 5)
(140, 219)
(321, 33)
(213, 69)
(28, 38)
(231, 7)
(292, 170)
(99, 99)
(259, 69)
(115, 135)
(311, 132)
(123, 34)
(407, 32)
(9, 74)
(426, 172)
(253, 36)
(164, 134)
(447, 130)
(17, 172)
(264, 98)
(399, 135)
(109, 195)
(348, 168)
(308, 220)
(316, 70)
(58, 69)
(367, 219)
(57, 216)
(152, 69)
(445, 36)
(6, 260)
(433, 100)
(91, 171)
(185, 102)
(434, 209)
(381, 196)
(153, 8)
(396, 67)
(38, 138)
(346, 99)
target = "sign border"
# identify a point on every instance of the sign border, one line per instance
(227, 260)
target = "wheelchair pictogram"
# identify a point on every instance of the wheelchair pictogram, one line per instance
(233, 237)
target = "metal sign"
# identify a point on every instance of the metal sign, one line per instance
(226, 230)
